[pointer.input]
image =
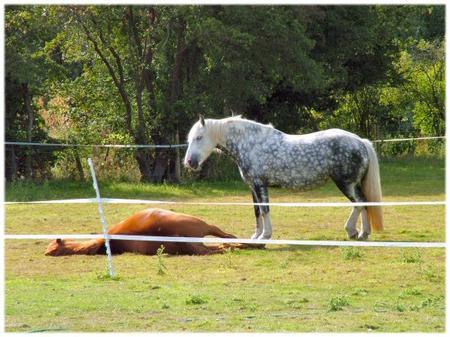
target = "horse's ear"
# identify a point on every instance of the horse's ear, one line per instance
(59, 241)
(202, 120)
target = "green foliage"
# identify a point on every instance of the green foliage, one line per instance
(424, 70)
(27, 70)
(141, 74)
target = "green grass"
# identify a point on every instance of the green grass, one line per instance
(281, 288)
(352, 253)
(409, 177)
(338, 303)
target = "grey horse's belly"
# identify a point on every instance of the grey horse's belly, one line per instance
(304, 175)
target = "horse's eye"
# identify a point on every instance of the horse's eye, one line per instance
(198, 138)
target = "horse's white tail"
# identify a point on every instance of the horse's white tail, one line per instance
(371, 187)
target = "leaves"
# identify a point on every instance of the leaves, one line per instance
(143, 73)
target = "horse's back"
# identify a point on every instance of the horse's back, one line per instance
(323, 135)
(160, 222)
(344, 154)
(309, 160)
(157, 222)
(140, 222)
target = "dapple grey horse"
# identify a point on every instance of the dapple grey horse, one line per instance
(268, 157)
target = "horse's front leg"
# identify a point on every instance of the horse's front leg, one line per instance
(263, 197)
(258, 216)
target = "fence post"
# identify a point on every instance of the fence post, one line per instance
(102, 218)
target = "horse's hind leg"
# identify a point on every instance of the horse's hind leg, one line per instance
(350, 191)
(216, 231)
(365, 230)
(357, 196)
(259, 219)
(350, 225)
(201, 249)
(262, 195)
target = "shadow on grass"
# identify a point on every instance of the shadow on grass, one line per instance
(298, 248)
(276, 248)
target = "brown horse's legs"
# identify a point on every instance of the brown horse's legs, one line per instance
(186, 248)
(216, 231)
(201, 249)
(233, 246)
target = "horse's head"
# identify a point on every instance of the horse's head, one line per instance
(59, 247)
(202, 141)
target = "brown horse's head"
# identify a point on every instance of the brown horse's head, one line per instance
(59, 247)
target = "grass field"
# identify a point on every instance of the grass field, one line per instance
(281, 288)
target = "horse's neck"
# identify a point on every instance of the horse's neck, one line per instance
(217, 129)
(235, 138)
(86, 248)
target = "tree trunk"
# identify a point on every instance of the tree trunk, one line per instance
(144, 161)
(177, 177)
(29, 110)
(161, 167)
(143, 80)
(175, 88)
(79, 166)
(11, 169)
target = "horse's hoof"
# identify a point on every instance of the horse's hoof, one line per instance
(353, 236)
(363, 236)
(256, 245)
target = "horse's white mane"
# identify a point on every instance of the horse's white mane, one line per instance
(243, 121)
(217, 127)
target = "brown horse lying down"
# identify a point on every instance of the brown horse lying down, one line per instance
(157, 222)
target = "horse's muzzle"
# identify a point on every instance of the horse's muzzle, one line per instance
(192, 163)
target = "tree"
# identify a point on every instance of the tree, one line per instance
(424, 72)
(141, 74)
(26, 73)
(122, 43)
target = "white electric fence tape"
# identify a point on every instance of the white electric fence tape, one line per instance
(405, 139)
(394, 244)
(278, 204)
(123, 146)
(102, 218)
(170, 146)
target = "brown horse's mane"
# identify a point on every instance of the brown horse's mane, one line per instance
(69, 247)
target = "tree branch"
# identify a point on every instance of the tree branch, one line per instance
(119, 82)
